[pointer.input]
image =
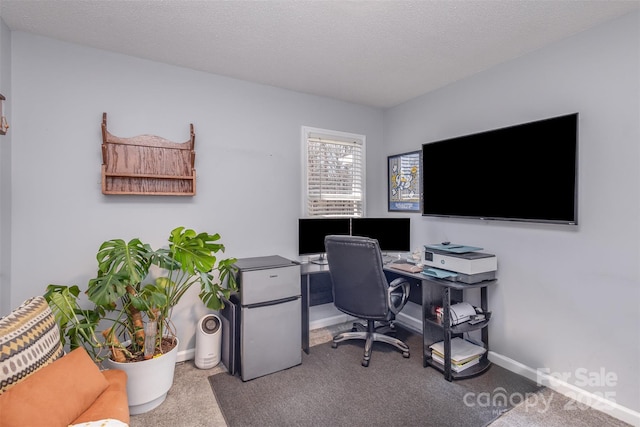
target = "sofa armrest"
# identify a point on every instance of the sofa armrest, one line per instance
(55, 394)
(112, 403)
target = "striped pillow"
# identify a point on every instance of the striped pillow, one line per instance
(29, 340)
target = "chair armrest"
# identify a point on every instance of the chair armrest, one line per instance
(400, 282)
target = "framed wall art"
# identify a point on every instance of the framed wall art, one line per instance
(404, 182)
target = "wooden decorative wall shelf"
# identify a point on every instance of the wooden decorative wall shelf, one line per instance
(147, 165)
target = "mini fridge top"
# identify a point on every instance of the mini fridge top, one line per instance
(261, 262)
(267, 279)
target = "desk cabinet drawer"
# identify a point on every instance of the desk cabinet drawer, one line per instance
(320, 291)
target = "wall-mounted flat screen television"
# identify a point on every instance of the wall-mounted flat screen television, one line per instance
(527, 172)
(392, 234)
(311, 232)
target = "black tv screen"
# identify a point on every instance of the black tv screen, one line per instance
(392, 234)
(311, 232)
(526, 172)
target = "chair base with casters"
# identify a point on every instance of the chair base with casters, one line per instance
(371, 334)
(361, 289)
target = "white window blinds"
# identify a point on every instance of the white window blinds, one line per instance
(334, 175)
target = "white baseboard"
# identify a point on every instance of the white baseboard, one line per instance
(327, 315)
(321, 316)
(185, 355)
(410, 317)
(411, 314)
(583, 397)
(329, 321)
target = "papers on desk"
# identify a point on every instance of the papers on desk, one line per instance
(411, 268)
(440, 274)
(464, 354)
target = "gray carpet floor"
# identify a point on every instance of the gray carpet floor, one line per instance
(191, 402)
(332, 389)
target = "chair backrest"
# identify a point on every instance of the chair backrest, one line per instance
(359, 283)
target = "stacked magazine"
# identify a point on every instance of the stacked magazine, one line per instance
(464, 354)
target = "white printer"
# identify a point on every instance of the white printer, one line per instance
(461, 312)
(470, 265)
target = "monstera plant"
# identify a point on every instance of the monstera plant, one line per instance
(123, 298)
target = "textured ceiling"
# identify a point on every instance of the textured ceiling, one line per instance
(377, 53)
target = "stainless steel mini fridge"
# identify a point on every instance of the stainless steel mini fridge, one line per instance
(270, 315)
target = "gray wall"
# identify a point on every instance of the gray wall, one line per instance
(567, 297)
(5, 172)
(248, 160)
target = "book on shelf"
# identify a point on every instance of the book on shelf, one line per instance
(455, 367)
(461, 350)
(456, 362)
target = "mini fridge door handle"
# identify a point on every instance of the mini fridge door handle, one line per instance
(273, 302)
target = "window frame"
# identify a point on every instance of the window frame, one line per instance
(330, 135)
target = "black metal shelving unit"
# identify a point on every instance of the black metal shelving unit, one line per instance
(441, 292)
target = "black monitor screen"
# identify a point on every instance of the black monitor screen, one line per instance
(311, 232)
(392, 234)
(526, 172)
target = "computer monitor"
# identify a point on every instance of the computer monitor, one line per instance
(311, 232)
(392, 234)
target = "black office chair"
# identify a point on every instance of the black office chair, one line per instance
(361, 289)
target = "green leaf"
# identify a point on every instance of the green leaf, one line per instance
(107, 290)
(194, 252)
(118, 286)
(155, 296)
(77, 325)
(63, 303)
(129, 260)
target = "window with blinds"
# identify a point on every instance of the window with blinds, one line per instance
(334, 173)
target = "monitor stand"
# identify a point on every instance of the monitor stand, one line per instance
(321, 260)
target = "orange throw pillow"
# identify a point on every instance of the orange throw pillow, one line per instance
(55, 395)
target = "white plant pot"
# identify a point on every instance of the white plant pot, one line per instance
(148, 381)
